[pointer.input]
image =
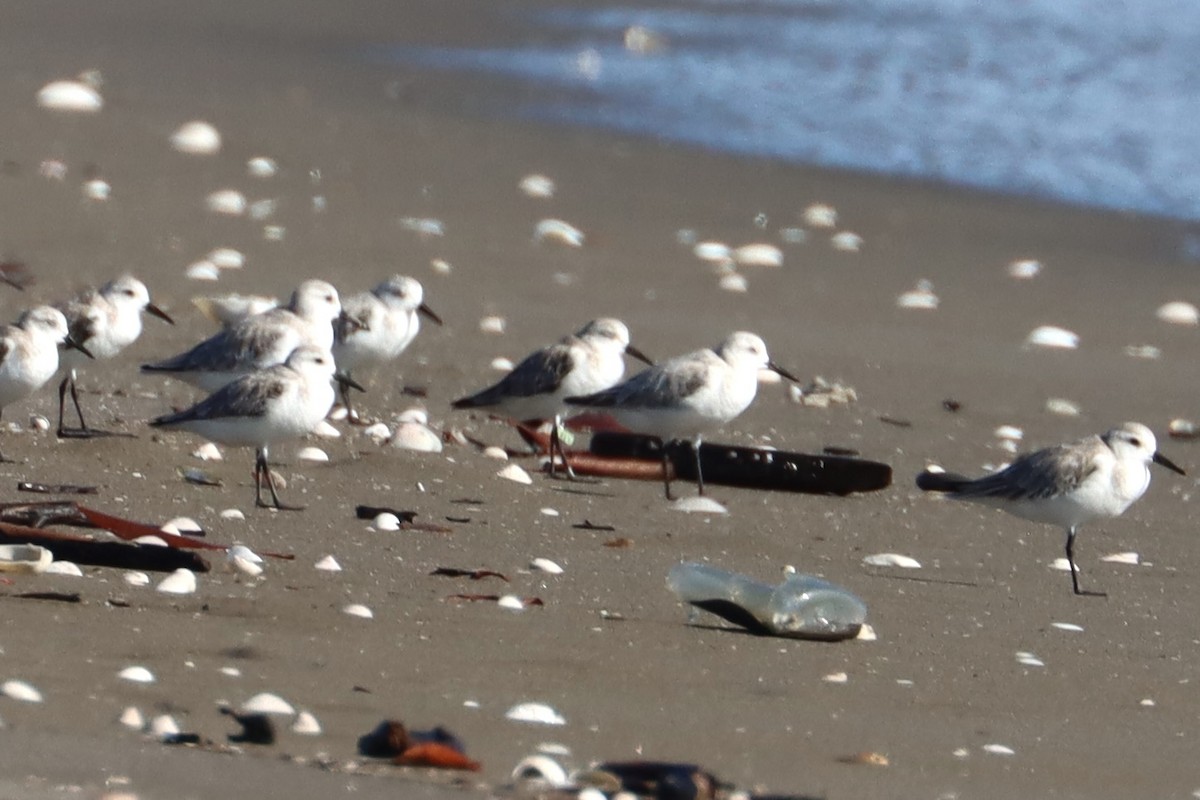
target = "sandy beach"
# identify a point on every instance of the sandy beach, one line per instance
(362, 148)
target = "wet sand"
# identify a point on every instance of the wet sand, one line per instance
(1111, 714)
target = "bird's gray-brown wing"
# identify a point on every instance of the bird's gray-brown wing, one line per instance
(229, 350)
(81, 325)
(245, 397)
(1045, 473)
(541, 372)
(657, 387)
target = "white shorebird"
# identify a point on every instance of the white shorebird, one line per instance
(377, 326)
(29, 353)
(259, 341)
(583, 363)
(681, 399)
(259, 409)
(105, 321)
(1065, 485)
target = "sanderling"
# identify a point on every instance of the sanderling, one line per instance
(378, 325)
(105, 321)
(1066, 485)
(29, 353)
(581, 364)
(282, 402)
(260, 341)
(682, 398)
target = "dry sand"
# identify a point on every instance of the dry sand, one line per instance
(1111, 714)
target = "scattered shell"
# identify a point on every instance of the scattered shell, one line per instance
(197, 138)
(328, 564)
(232, 672)
(70, 96)
(441, 266)
(226, 201)
(717, 252)
(202, 270)
(228, 258)
(1063, 407)
(1179, 312)
(1147, 702)
(867, 633)
(68, 568)
(1068, 626)
(358, 610)
(326, 431)
(312, 454)
(643, 41)
(182, 526)
(1053, 336)
(922, 297)
(38, 422)
(542, 769)
(998, 750)
(1146, 351)
(97, 189)
(836, 677)
(181, 581)
(733, 282)
(267, 703)
(819, 215)
(546, 565)
(698, 504)
(414, 414)
(26, 558)
(163, 726)
(892, 560)
(243, 552)
(132, 718)
(306, 724)
(261, 167)
(1062, 565)
(379, 432)
(758, 255)
(1029, 659)
(498, 453)
(135, 578)
(1024, 268)
(559, 231)
(549, 512)
(515, 473)
(535, 712)
(20, 690)
(502, 364)
(136, 675)
(232, 513)
(1183, 429)
(536, 185)
(1122, 558)
(423, 225)
(511, 602)
(415, 436)
(847, 242)
(245, 566)
(1010, 432)
(493, 324)
(386, 521)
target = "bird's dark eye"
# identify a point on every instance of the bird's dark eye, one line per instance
(1135, 442)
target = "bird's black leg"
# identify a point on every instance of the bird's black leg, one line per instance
(83, 431)
(1074, 570)
(263, 470)
(699, 472)
(666, 464)
(62, 401)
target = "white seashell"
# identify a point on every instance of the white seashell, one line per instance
(241, 551)
(733, 282)
(1053, 336)
(261, 167)
(326, 431)
(132, 718)
(228, 258)
(379, 432)
(511, 602)
(717, 252)
(1070, 627)
(892, 560)
(182, 526)
(135, 578)
(847, 242)
(414, 414)
(230, 309)
(502, 364)
(1029, 659)
(922, 297)
(312, 454)
(358, 610)
(226, 201)
(498, 453)
(414, 436)
(181, 581)
(1146, 351)
(513, 472)
(867, 634)
(1010, 432)
(495, 325)
(1063, 407)
(163, 726)
(559, 231)
(232, 513)
(338, 413)
(38, 422)
(68, 568)
(537, 186)
(1179, 312)
(836, 677)
(1180, 428)
(998, 750)
(70, 96)
(97, 189)
(246, 567)
(136, 675)
(1062, 565)
(535, 712)
(819, 215)
(197, 138)
(153, 541)
(386, 522)
(328, 564)
(20, 690)
(203, 270)
(306, 724)
(232, 672)
(267, 703)
(441, 266)
(758, 255)
(424, 226)
(540, 768)
(549, 512)
(698, 504)
(24, 558)
(546, 565)
(1122, 558)
(1024, 268)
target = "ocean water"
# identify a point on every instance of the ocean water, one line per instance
(1092, 102)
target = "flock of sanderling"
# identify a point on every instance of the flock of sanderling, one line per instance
(270, 376)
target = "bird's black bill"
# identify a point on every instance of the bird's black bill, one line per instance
(638, 354)
(427, 311)
(346, 382)
(771, 365)
(1160, 459)
(158, 312)
(74, 345)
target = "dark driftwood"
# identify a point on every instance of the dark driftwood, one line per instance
(81, 550)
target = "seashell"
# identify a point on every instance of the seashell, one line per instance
(312, 454)
(549, 512)
(24, 558)
(498, 453)
(196, 138)
(424, 226)
(836, 677)
(163, 726)
(228, 258)
(538, 713)
(414, 436)
(1063, 407)
(847, 242)
(232, 672)
(328, 564)
(891, 560)
(511, 602)
(226, 201)
(1024, 268)
(306, 724)
(698, 504)
(1053, 336)
(358, 610)
(182, 526)
(536, 185)
(1128, 557)
(733, 282)
(819, 215)
(1070, 627)
(758, 255)
(153, 541)
(232, 513)
(97, 189)
(245, 566)
(261, 167)
(135, 578)
(642, 41)
(39, 423)
(244, 553)
(386, 522)
(274, 233)
(546, 565)
(494, 325)
(228, 310)
(441, 266)
(513, 472)
(542, 769)
(268, 703)
(202, 270)
(414, 414)
(1179, 312)
(1010, 432)
(326, 431)
(1063, 565)
(558, 231)
(378, 432)
(181, 581)
(136, 675)
(132, 718)
(68, 568)
(867, 633)
(502, 364)
(1029, 659)
(20, 690)
(70, 96)
(717, 252)
(1183, 429)
(1146, 351)
(922, 297)
(998, 750)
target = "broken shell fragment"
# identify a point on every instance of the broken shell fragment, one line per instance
(306, 724)
(1053, 336)
(511, 602)
(196, 138)
(1128, 557)
(228, 258)
(758, 255)
(203, 270)
(513, 472)
(538, 713)
(386, 522)
(698, 504)
(417, 437)
(181, 581)
(97, 189)
(312, 454)
(136, 675)
(542, 769)
(164, 726)
(557, 230)
(182, 526)
(261, 167)
(1179, 312)
(137, 578)
(921, 297)
(328, 564)
(70, 96)
(68, 568)
(27, 558)
(226, 201)
(1063, 407)
(847, 242)
(268, 703)
(537, 186)
(20, 690)
(358, 610)
(734, 282)
(132, 718)
(717, 252)
(493, 324)
(1183, 429)
(546, 565)
(819, 215)
(892, 560)
(1024, 268)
